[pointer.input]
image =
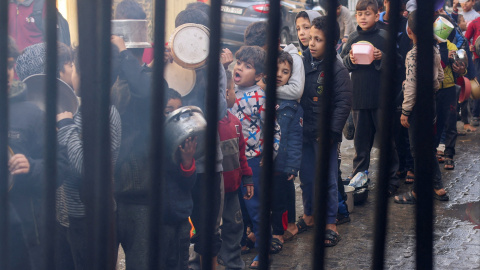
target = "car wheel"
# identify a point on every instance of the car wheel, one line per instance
(284, 37)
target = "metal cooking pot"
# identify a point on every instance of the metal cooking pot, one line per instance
(10, 176)
(461, 57)
(66, 98)
(475, 92)
(182, 123)
(134, 32)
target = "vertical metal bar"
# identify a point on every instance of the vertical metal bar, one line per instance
(387, 96)
(89, 88)
(424, 162)
(321, 182)
(266, 183)
(50, 154)
(104, 217)
(4, 217)
(208, 218)
(157, 136)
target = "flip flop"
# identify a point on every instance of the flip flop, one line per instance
(405, 198)
(442, 198)
(410, 179)
(275, 246)
(333, 237)
(288, 236)
(302, 226)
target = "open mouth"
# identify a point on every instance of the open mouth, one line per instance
(237, 77)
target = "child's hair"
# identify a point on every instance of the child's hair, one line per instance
(320, 23)
(253, 55)
(380, 4)
(65, 56)
(129, 9)
(12, 48)
(115, 65)
(302, 14)
(283, 57)
(255, 34)
(476, 6)
(200, 6)
(171, 94)
(339, 3)
(412, 22)
(229, 77)
(367, 4)
(191, 16)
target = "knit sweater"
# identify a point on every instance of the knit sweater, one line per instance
(366, 78)
(232, 143)
(410, 84)
(69, 135)
(249, 108)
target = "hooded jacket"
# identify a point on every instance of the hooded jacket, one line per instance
(294, 89)
(21, 25)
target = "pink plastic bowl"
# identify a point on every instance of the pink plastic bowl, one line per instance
(466, 89)
(363, 53)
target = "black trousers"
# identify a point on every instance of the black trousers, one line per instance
(446, 108)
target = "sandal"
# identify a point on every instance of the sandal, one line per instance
(302, 226)
(410, 179)
(405, 198)
(391, 190)
(440, 158)
(442, 198)
(449, 164)
(276, 246)
(333, 237)
(341, 219)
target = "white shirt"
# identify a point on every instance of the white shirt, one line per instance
(470, 16)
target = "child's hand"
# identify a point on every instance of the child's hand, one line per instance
(249, 193)
(119, 42)
(451, 54)
(458, 68)
(404, 121)
(472, 48)
(64, 115)
(344, 40)
(377, 54)
(291, 177)
(226, 57)
(167, 56)
(187, 152)
(18, 164)
(352, 58)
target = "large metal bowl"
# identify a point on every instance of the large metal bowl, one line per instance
(461, 57)
(181, 124)
(133, 32)
(67, 101)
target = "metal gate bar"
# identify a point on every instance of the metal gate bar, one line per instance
(4, 204)
(50, 140)
(157, 176)
(424, 161)
(324, 122)
(387, 97)
(207, 216)
(267, 179)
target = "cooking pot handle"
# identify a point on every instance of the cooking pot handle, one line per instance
(184, 111)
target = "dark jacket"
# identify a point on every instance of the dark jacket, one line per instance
(177, 198)
(366, 78)
(131, 174)
(290, 119)
(312, 99)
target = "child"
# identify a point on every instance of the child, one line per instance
(366, 90)
(473, 32)
(249, 108)
(177, 199)
(70, 208)
(303, 23)
(446, 99)
(287, 163)
(410, 109)
(312, 103)
(469, 14)
(345, 21)
(255, 35)
(65, 63)
(235, 171)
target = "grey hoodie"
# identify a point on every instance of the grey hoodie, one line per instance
(294, 89)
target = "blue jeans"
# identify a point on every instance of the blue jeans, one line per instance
(308, 175)
(253, 205)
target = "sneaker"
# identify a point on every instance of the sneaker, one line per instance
(474, 122)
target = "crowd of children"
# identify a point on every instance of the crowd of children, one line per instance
(236, 189)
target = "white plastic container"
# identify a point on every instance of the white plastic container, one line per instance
(363, 53)
(349, 190)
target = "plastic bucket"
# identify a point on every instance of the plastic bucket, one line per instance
(442, 29)
(349, 190)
